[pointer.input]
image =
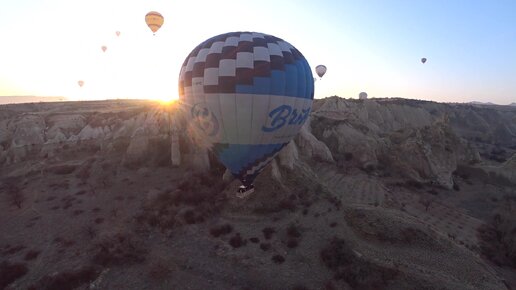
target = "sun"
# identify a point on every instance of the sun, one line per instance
(166, 100)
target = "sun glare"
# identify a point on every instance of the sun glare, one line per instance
(166, 100)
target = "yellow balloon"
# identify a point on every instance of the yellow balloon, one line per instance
(154, 20)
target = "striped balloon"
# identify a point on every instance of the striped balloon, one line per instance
(247, 94)
(154, 20)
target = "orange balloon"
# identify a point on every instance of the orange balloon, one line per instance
(154, 20)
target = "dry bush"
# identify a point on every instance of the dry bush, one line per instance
(118, 249)
(292, 243)
(293, 231)
(159, 269)
(13, 250)
(278, 259)
(236, 241)
(358, 273)
(62, 169)
(11, 272)
(13, 192)
(90, 231)
(31, 255)
(196, 199)
(267, 232)
(68, 280)
(265, 246)
(221, 230)
(499, 239)
(254, 240)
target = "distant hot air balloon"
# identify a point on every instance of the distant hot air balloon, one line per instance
(423, 60)
(81, 83)
(154, 20)
(103, 48)
(320, 70)
(117, 33)
(362, 96)
(246, 95)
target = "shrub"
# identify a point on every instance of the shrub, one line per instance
(293, 231)
(278, 259)
(254, 240)
(68, 280)
(31, 255)
(236, 241)
(359, 274)
(221, 230)
(118, 249)
(292, 243)
(11, 272)
(499, 239)
(159, 270)
(267, 232)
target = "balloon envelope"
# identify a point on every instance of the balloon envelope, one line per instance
(423, 60)
(246, 95)
(81, 83)
(103, 48)
(320, 70)
(362, 96)
(154, 20)
(117, 33)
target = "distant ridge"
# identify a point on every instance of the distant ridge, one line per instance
(29, 99)
(480, 103)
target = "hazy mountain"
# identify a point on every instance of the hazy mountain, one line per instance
(28, 99)
(371, 194)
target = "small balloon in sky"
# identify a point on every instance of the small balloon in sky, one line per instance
(117, 33)
(246, 95)
(362, 96)
(320, 70)
(81, 83)
(104, 48)
(423, 60)
(154, 20)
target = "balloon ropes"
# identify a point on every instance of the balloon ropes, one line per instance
(154, 20)
(246, 95)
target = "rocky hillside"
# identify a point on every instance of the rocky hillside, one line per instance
(371, 194)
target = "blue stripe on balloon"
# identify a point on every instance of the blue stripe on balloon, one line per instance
(244, 89)
(237, 157)
(295, 81)
(301, 79)
(262, 85)
(291, 81)
(277, 83)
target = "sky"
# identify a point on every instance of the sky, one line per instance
(47, 46)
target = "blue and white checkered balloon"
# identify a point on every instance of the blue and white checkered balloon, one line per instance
(247, 95)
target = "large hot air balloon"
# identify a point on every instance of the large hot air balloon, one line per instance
(423, 60)
(246, 95)
(81, 83)
(103, 48)
(362, 96)
(320, 70)
(154, 20)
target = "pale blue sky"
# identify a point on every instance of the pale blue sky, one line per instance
(373, 46)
